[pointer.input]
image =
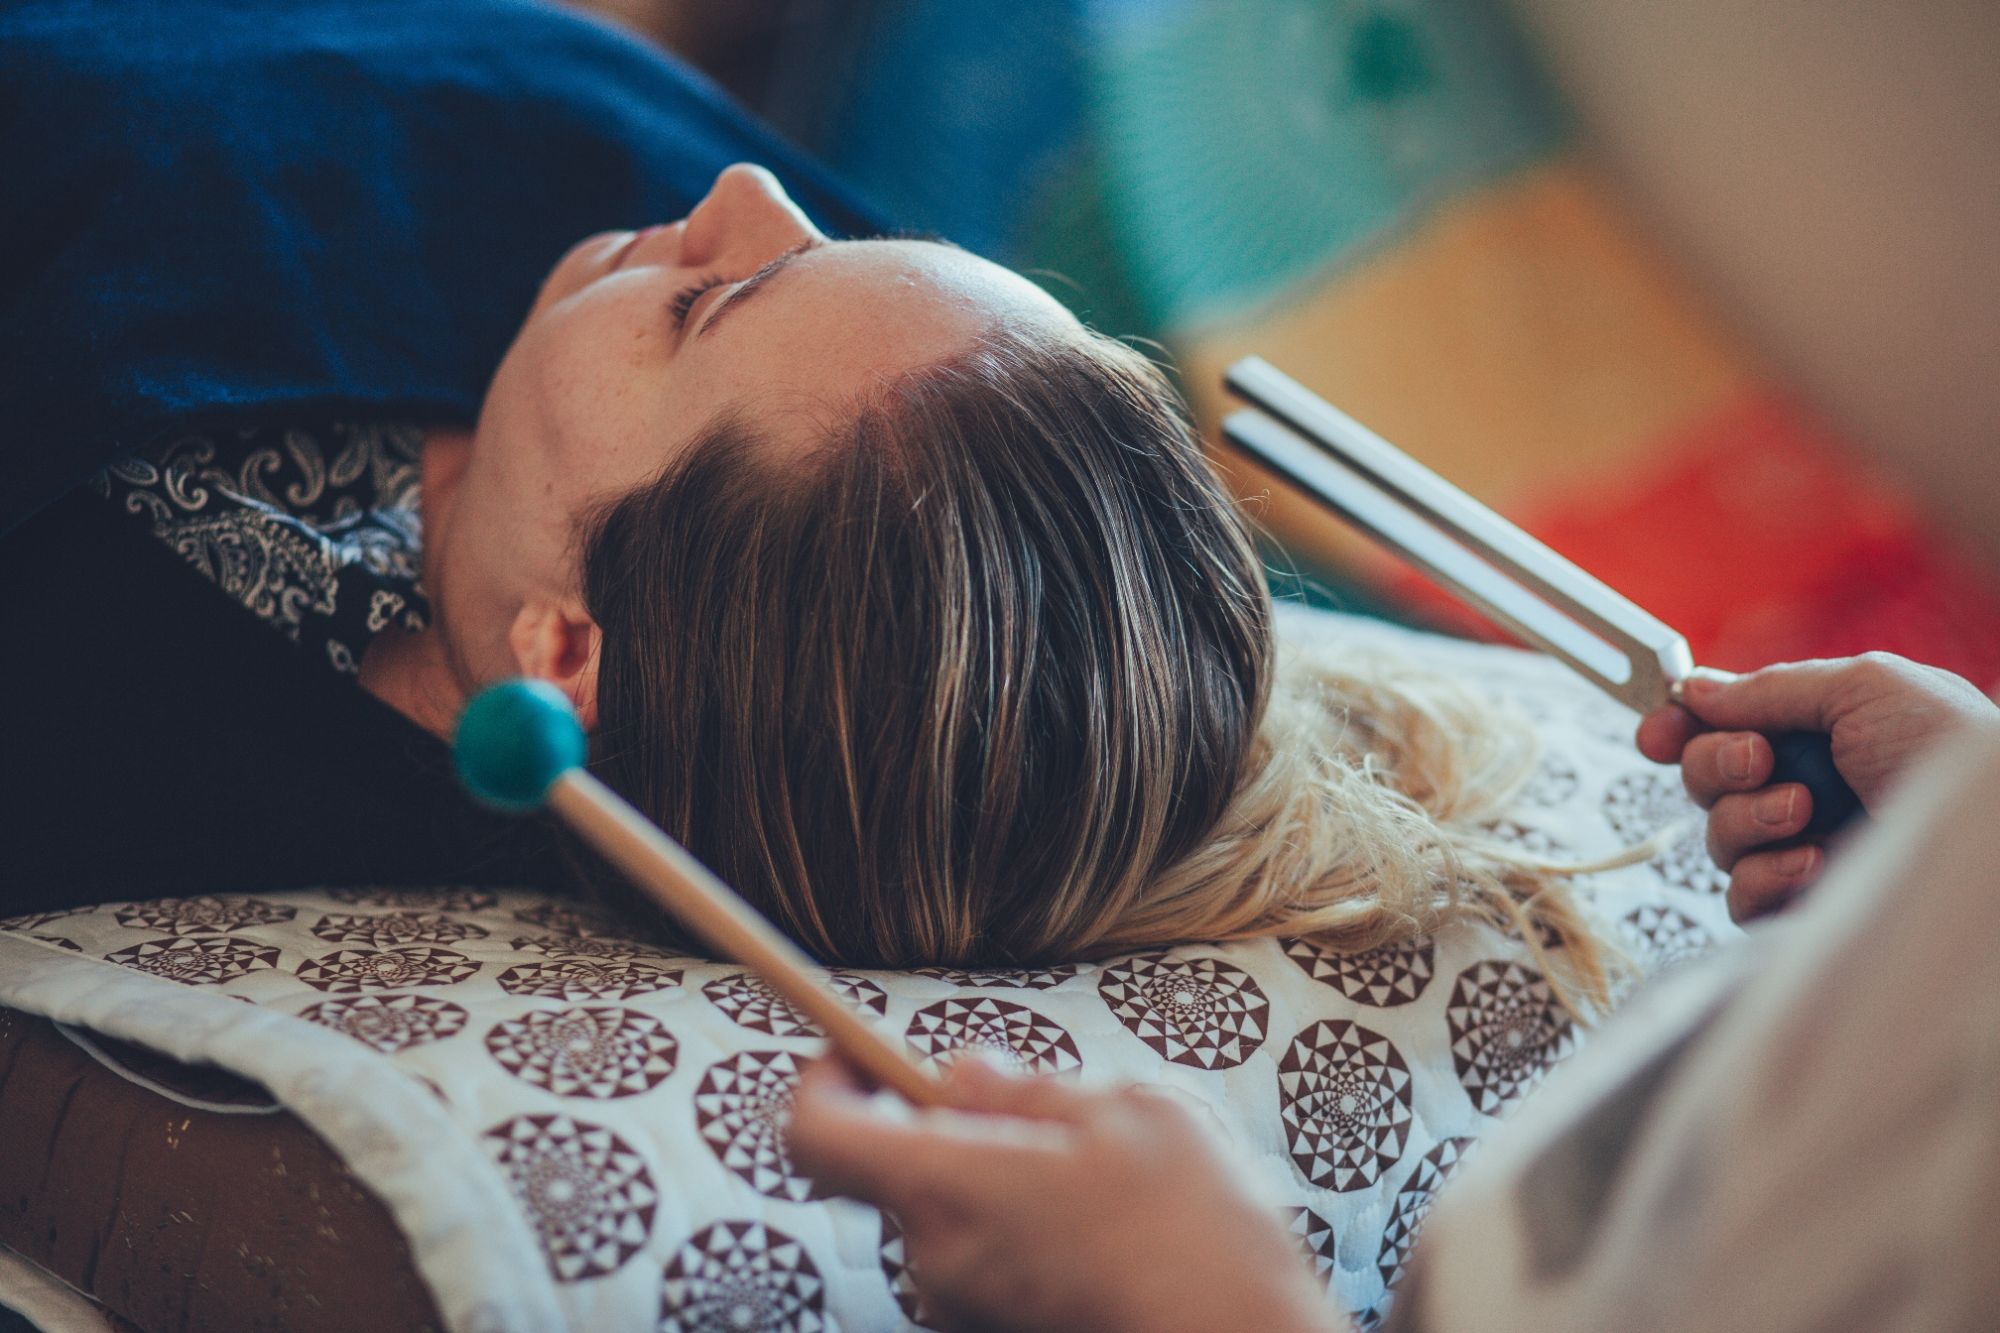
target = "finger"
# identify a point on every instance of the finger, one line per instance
(1665, 732)
(850, 1144)
(973, 1084)
(1765, 882)
(1791, 696)
(1741, 824)
(839, 1137)
(1721, 762)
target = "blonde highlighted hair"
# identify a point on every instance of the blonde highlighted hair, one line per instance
(989, 677)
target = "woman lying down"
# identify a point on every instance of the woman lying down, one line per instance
(908, 602)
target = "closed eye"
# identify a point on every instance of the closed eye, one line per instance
(683, 303)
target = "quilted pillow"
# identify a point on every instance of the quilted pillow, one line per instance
(573, 1129)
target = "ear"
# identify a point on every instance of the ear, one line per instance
(558, 642)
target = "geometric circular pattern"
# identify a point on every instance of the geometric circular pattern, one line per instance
(196, 962)
(574, 979)
(1194, 1011)
(389, 1023)
(601, 1052)
(750, 1002)
(33, 920)
(1413, 1205)
(1639, 805)
(860, 992)
(896, 1268)
(1030, 978)
(396, 928)
(1555, 780)
(1313, 1235)
(734, 1277)
(348, 970)
(586, 1190)
(1384, 976)
(1507, 1031)
(1012, 1034)
(203, 916)
(741, 1108)
(587, 946)
(1344, 1097)
(567, 918)
(1534, 841)
(1668, 935)
(450, 899)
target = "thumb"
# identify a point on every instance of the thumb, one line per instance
(1791, 696)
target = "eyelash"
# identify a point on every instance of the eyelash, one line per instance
(683, 303)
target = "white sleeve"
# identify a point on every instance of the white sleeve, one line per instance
(1805, 1135)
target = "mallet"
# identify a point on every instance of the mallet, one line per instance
(520, 746)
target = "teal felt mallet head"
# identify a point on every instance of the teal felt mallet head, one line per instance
(519, 746)
(514, 740)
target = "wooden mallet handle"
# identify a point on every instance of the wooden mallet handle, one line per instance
(519, 746)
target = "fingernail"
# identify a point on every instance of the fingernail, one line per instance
(1798, 862)
(1736, 758)
(1775, 808)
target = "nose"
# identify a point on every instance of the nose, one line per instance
(746, 218)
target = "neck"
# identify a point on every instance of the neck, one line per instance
(409, 671)
(412, 671)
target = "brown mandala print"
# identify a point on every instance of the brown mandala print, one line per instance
(741, 1108)
(1383, 977)
(389, 1023)
(566, 918)
(346, 971)
(1413, 1205)
(1638, 805)
(1554, 782)
(203, 916)
(1344, 1097)
(742, 1277)
(1668, 935)
(1010, 1034)
(1507, 1031)
(586, 1191)
(383, 932)
(197, 962)
(446, 899)
(749, 1002)
(576, 979)
(36, 920)
(1026, 978)
(599, 1052)
(1194, 1011)
(606, 947)
(896, 1268)
(1314, 1236)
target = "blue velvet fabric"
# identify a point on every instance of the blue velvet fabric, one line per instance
(255, 208)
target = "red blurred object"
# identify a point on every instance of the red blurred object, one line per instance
(1760, 539)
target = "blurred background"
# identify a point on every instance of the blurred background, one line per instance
(1706, 293)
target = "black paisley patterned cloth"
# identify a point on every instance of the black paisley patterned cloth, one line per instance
(315, 530)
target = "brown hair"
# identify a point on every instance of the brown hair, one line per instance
(983, 679)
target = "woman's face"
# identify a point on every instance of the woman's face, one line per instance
(639, 340)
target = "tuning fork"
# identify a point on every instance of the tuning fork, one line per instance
(1542, 598)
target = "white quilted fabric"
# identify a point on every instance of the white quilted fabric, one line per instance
(576, 1131)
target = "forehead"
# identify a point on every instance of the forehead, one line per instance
(844, 315)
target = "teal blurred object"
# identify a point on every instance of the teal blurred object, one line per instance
(514, 740)
(1161, 164)
(1251, 144)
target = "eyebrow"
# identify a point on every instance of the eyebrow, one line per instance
(749, 286)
